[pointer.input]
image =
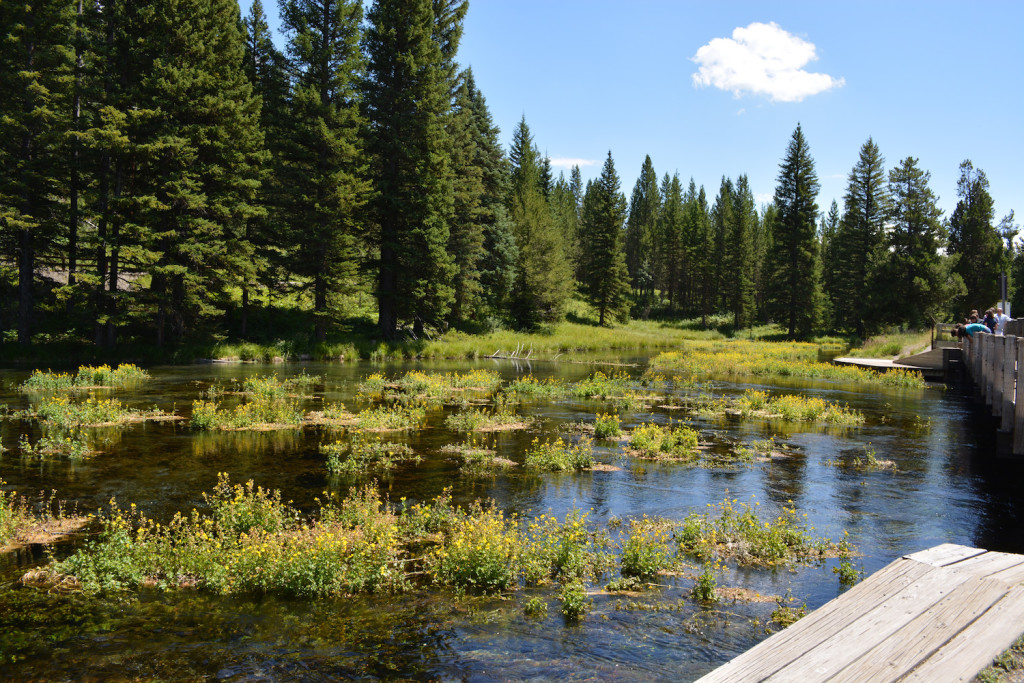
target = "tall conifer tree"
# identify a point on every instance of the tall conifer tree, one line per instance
(794, 281)
(741, 254)
(641, 229)
(973, 236)
(918, 276)
(543, 275)
(855, 250)
(408, 102)
(323, 169)
(605, 276)
(36, 84)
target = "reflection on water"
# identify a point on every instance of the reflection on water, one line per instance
(948, 487)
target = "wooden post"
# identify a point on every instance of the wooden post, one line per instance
(997, 375)
(986, 367)
(1009, 378)
(1018, 408)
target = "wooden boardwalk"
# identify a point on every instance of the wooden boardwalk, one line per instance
(942, 614)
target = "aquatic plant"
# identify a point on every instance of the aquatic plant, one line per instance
(735, 530)
(531, 387)
(360, 454)
(672, 442)
(429, 387)
(501, 418)
(124, 376)
(607, 426)
(65, 413)
(559, 456)
(575, 603)
(254, 412)
(482, 553)
(647, 548)
(705, 586)
(73, 444)
(391, 418)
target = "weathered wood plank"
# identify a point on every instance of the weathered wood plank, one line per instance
(867, 626)
(944, 554)
(976, 646)
(1011, 575)
(928, 632)
(988, 564)
(772, 654)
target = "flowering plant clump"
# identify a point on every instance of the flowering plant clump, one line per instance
(558, 456)
(361, 453)
(655, 442)
(88, 377)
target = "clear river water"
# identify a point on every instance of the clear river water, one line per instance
(948, 486)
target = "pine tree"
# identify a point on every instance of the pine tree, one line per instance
(265, 67)
(702, 253)
(741, 256)
(466, 235)
(543, 276)
(857, 243)
(671, 230)
(207, 148)
(408, 103)
(973, 236)
(323, 169)
(830, 265)
(641, 229)
(795, 288)
(918, 277)
(497, 267)
(36, 86)
(605, 276)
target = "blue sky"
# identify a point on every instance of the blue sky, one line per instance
(712, 89)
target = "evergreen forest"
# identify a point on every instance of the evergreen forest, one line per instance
(168, 175)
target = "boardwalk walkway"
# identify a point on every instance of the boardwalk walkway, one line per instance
(942, 614)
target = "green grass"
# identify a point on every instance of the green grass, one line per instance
(893, 345)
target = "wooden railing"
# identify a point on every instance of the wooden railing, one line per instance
(992, 361)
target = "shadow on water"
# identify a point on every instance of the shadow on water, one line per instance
(947, 486)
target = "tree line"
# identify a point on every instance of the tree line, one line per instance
(165, 171)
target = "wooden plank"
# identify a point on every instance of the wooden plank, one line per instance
(1010, 575)
(944, 554)
(986, 565)
(928, 632)
(867, 626)
(772, 654)
(1009, 380)
(1018, 407)
(976, 646)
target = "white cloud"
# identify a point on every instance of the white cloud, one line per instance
(762, 59)
(565, 162)
(763, 198)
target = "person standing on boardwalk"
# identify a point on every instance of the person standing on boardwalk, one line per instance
(1001, 320)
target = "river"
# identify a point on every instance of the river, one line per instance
(948, 486)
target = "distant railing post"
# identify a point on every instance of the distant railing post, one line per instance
(994, 395)
(1018, 408)
(1009, 377)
